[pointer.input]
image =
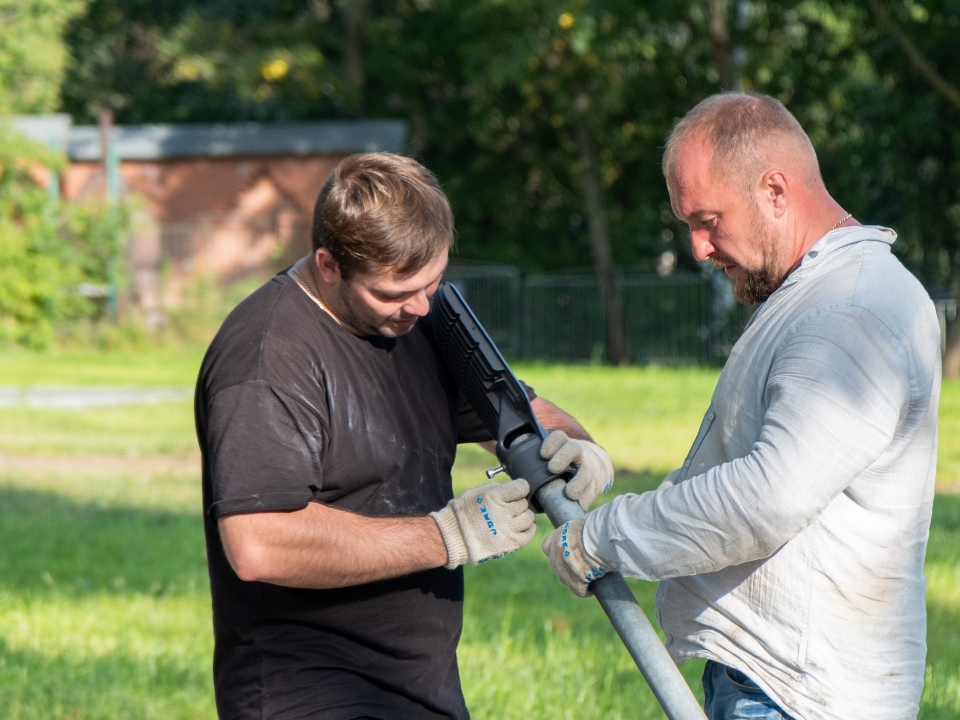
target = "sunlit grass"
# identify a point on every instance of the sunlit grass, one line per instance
(104, 596)
(89, 367)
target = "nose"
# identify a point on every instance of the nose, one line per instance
(700, 244)
(418, 305)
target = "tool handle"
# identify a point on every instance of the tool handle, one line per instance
(629, 620)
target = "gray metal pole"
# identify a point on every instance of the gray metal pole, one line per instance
(629, 621)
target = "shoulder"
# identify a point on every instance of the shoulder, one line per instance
(862, 277)
(269, 323)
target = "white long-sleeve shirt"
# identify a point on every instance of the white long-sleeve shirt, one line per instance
(791, 543)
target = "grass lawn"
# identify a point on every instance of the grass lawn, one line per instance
(104, 597)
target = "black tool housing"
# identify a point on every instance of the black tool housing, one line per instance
(494, 391)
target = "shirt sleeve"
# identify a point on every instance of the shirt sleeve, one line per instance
(836, 395)
(264, 450)
(470, 427)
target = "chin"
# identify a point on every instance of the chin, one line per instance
(391, 331)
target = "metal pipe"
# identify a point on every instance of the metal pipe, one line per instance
(629, 621)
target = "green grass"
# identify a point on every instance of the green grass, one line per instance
(104, 597)
(90, 367)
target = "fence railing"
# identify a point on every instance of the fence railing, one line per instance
(677, 319)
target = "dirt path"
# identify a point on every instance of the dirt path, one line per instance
(88, 396)
(186, 464)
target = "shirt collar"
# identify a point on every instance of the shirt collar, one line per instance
(834, 241)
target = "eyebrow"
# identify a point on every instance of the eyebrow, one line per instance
(401, 293)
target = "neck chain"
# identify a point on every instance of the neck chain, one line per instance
(849, 215)
(306, 288)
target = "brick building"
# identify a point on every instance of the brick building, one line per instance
(224, 201)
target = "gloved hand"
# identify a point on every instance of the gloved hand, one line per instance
(568, 559)
(486, 522)
(594, 469)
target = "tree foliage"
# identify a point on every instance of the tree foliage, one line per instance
(33, 56)
(506, 100)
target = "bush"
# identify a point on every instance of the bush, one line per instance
(49, 248)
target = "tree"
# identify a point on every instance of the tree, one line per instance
(33, 55)
(545, 119)
(937, 236)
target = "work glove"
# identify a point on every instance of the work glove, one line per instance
(575, 567)
(594, 469)
(486, 522)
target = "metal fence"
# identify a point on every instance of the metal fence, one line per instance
(493, 293)
(677, 319)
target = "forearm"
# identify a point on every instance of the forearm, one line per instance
(322, 547)
(553, 418)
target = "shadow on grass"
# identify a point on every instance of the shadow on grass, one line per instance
(114, 685)
(54, 544)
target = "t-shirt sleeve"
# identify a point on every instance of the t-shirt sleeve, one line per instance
(470, 427)
(264, 450)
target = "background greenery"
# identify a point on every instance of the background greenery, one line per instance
(520, 108)
(495, 94)
(104, 596)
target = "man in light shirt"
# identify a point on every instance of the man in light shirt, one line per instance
(790, 545)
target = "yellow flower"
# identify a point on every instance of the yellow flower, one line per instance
(275, 69)
(566, 20)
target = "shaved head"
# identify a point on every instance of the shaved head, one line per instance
(748, 135)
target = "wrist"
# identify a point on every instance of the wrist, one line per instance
(449, 528)
(595, 541)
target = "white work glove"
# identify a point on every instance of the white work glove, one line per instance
(594, 469)
(486, 522)
(569, 561)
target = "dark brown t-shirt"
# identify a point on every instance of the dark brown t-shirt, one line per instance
(290, 409)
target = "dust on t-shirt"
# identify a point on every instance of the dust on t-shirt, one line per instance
(291, 408)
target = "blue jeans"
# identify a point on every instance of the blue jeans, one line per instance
(728, 694)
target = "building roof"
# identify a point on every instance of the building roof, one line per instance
(158, 142)
(50, 130)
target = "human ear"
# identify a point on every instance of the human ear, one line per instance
(328, 267)
(774, 189)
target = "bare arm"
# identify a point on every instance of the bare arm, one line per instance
(553, 418)
(322, 547)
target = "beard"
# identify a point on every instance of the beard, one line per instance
(355, 314)
(760, 283)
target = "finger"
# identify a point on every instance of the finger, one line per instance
(557, 566)
(525, 520)
(513, 490)
(573, 582)
(516, 508)
(554, 442)
(578, 484)
(485, 490)
(549, 542)
(569, 454)
(527, 535)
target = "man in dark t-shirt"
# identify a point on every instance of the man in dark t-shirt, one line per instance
(328, 427)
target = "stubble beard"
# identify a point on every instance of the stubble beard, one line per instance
(761, 283)
(352, 312)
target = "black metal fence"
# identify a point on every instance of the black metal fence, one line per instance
(676, 319)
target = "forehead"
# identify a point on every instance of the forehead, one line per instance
(693, 186)
(386, 279)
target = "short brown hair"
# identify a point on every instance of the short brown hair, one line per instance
(743, 129)
(383, 209)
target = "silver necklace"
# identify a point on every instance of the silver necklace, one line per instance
(850, 215)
